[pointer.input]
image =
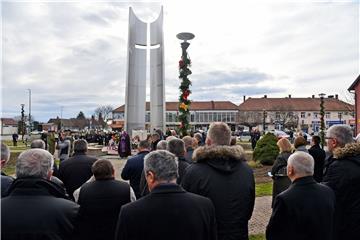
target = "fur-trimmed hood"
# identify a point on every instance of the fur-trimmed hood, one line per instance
(223, 158)
(351, 150)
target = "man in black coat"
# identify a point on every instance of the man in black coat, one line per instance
(319, 156)
(134, 167)
(168, 212)
(100, 202)
(189, 146)
(76, 170)
(343, 176)
(177, 147)
(305, 210)
(221, 174)
(36, 208)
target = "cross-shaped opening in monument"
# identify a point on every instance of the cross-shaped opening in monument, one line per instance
(147, 48)
(138, 46)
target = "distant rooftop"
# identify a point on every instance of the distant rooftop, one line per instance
(294, 104)
(195, 106)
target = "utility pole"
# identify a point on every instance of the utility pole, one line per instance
(29, 110)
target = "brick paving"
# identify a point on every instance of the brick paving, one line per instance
(261, 215)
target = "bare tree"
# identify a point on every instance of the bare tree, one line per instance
(104, 112)
(286, 119)
(250, 118)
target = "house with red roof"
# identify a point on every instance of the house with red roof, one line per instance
(295, 113)
(8, 126)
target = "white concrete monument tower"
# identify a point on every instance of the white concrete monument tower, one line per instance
(135, 97)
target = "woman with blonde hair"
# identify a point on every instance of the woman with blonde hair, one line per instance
(280, 179)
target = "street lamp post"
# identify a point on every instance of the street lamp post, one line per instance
(61, 112)
(322, 123)
(29, 110)
(264, 119)
(340, 117)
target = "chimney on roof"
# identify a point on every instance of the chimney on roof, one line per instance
(289, 95)
(336, 96)
(212, 105)
(313, 96)
(331, 96)
(244, 98)
(265, 96)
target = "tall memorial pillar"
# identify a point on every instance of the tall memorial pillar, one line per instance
(157, 85)
(135, 96)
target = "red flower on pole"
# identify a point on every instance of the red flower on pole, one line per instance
(181, 64)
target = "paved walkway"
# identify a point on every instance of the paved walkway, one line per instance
(261, 213)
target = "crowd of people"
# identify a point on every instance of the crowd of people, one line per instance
(193, 187)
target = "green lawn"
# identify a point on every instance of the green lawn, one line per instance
(257, 237)
(263, 189)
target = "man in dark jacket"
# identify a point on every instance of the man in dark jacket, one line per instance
(6, 181)
(319, 157)
(100, 202)
(168, 212)
(177, 147)
(189, 146)
(36, 208)
(343, 176)
(76, 170)
(305, 210)
(135, 166)
(155, 138)
(221, 174)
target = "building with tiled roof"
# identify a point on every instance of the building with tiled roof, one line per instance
(202, 113)
(355, 88)
(8, 126)
(300, 113)
(75, 124)
(273, 113)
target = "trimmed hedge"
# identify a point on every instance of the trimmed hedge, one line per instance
(266, 149)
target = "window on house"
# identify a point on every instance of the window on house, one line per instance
(302, 114)
(327, 115)
(277, 115)
(316, 114)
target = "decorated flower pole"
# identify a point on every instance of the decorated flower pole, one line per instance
(184, 72)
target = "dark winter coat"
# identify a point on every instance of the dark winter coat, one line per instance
(281, 182)
(37, 209)
(319, 158)
(168, 212)
(100, 202)
(303, 212)
(343, 176)
(221, 174)
(182, 166)
(75, 171)
(5, 182)
(133, 170)
(188, 155)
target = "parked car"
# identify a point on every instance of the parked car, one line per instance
(280, 134)
(245, 136)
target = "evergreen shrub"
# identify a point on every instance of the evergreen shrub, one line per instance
(266, 149)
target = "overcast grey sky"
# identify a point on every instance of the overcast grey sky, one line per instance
(73, 54)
